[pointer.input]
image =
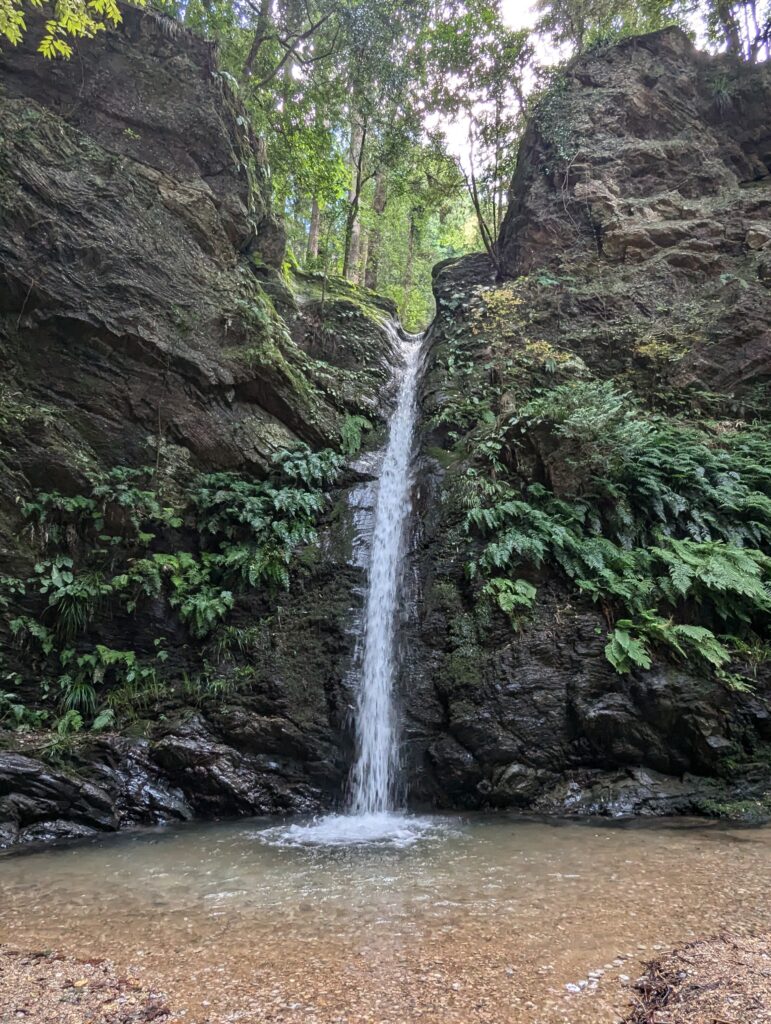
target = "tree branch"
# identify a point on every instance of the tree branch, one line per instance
(290, 44)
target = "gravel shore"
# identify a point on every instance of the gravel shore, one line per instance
(726, 980)
(47, 988)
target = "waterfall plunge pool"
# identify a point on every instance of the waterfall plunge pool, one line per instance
(386, 828)
(484, 919)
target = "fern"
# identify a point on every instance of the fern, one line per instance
(512, 596)
(70, 722)
(247, 534)
(73, 599)
(629, 644)
(314, 469)
(733, 579)
(204, 608)
(642, 473)
(120, 501)
(731, 583)
(351, 434)
(104, 720)
(625, 652)
(27, 630)
(259, 524)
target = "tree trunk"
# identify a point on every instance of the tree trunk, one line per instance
(260, 35)
(409, 267)
(352, 232)
(313, 232)
(730, 26)
(352, 226)
(353, 238)
(488, 239)
(757, 38)
(361, 267)
(375, 235)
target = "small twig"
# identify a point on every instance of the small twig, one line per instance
(32, 284)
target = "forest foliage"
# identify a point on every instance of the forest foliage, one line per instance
(391, 129)
(178, 568)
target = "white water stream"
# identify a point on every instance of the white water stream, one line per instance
(377, 753)
(371, 815)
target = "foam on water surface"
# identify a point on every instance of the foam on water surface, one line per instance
(383, 828)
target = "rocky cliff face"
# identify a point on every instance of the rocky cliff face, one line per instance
(146, 320)
(635, 260)
(651, 162)
(131, 301)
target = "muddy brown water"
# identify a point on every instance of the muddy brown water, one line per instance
(483, 919)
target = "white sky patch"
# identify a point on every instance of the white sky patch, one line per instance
(520, 14)
(517, 14)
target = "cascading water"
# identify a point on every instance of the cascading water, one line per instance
(376, 762)
(371, 816)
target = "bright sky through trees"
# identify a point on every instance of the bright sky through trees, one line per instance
(391, 130)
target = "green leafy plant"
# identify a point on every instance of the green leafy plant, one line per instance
(732, 579)
(104, 720)
(641, 474)
(70, 722)
(314, 469)
(629, 644)
(351, 433)
(73, 600)
(513, 597)
(121, 502)
(11, 590)
(103, 559)
(259, 524)
(661, 521)
(626, 652)
(31, 633)
(78, 694)
(64, 736)
(16, 715)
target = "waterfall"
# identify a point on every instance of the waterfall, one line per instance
(376, 762)
(371, 817)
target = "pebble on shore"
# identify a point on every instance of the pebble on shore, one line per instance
(48, 988)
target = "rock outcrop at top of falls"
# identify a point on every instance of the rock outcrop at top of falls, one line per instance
(636, 264)
(146, 320)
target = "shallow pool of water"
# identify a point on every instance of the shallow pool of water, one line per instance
(483, 919)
